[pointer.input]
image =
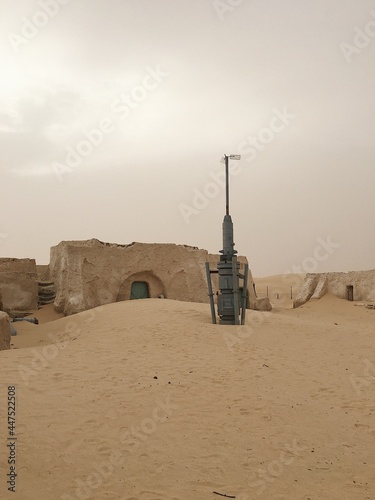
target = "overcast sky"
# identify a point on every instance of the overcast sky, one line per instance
(114, 115)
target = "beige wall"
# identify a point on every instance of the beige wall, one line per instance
(4, 331)
(316, 285)
(43, 272)
(363, 283)
(88, 274)
(18, 284)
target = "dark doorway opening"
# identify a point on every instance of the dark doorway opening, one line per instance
(139, 290)
(350, 292)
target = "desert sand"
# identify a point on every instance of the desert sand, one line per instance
(147, 400)
(280, 288)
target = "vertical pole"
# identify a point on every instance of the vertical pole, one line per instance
(235, 291)
(267, 291)
(210, 293)
(227, 184)
(244, 294)
(291, 292)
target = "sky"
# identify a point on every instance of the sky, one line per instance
(114, 115)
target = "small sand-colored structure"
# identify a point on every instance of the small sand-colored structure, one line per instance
(354, 285)
(91, 273)
(18, 284)
(4, 331)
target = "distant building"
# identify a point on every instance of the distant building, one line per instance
(18, 284)
(4, 331)
(354, 285)
(86, 274)
(91, 273)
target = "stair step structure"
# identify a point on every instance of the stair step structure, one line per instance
(46, 292)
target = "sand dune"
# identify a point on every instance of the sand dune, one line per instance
(280, 288)
(146, 400)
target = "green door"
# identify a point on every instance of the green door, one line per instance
(139, 290)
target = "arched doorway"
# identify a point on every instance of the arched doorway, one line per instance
(143, 284)
(139, 290)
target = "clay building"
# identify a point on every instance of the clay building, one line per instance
(91, 273)
(353, 286)
(18, 284)
(4, 331)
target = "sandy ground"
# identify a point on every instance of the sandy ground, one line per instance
(146, 400)
(281, 289)
(30, 335)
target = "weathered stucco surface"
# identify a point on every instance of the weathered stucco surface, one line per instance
(317, 285)
(91, 273)
(4, 331)
(18, 284)
(43, 272)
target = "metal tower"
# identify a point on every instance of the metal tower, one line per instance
(231, 303)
